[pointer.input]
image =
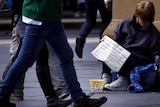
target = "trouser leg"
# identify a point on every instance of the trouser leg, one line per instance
(43, 74)
(15, 46)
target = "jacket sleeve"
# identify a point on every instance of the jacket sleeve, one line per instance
(157, 61)
(118, 37)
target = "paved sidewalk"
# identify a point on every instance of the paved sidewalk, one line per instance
(86, 68)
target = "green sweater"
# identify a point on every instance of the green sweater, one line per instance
(43, 10)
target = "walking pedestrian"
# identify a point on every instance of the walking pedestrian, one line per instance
(105, 10)
(43, 24)
(44, 73)
(91, 15)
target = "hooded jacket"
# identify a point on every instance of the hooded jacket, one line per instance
(144, 43)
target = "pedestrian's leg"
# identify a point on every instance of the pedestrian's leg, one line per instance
(44, 78)
(56, 76)
(87, 26)
(106, 15)
(15, 46)
(42, 70)
(31, 46)
(59, 43)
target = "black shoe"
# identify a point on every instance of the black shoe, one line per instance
(62, 93)
(79, 46)
(7, 104)
(81, 103)
(55, 102)
(96, 102)
(17, 95)
(88, 102)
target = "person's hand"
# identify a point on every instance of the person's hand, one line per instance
(107, 4)
(103, 38)
(158, 66)
(157, 61)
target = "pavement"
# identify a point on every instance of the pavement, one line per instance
(86, 68)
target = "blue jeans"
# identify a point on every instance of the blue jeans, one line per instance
(17, 35)
(34, 38)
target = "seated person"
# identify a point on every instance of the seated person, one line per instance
(141, 38)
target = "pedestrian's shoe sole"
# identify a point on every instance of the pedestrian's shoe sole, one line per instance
(96, 102)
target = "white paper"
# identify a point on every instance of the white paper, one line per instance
(111, 53)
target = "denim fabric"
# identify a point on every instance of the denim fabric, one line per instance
(135, 88)
(34, 38)
(57, 80)
(17, 35)
(91, 7)
(142, 78)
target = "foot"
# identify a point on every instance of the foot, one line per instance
(62, 93)
(56, 102)
(107, 79)
(96, 102)
(17, 96)
(88, 102)
(80, 41)
(120, 84)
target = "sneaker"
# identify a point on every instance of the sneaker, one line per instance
(87, 102)
(56, 102)
(120, 84)
(63, 95)
(16, 96)
(79, 46)
(107, 79)
(7, 104)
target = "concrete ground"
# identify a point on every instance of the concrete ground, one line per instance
(86, 68)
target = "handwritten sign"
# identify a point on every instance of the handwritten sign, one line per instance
(111, 53)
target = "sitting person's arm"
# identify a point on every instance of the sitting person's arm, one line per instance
(157, 61)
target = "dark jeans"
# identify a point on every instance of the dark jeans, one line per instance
(34, 38)
(132, 62)
(91, 7)
(43, 74)
(42, 70)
